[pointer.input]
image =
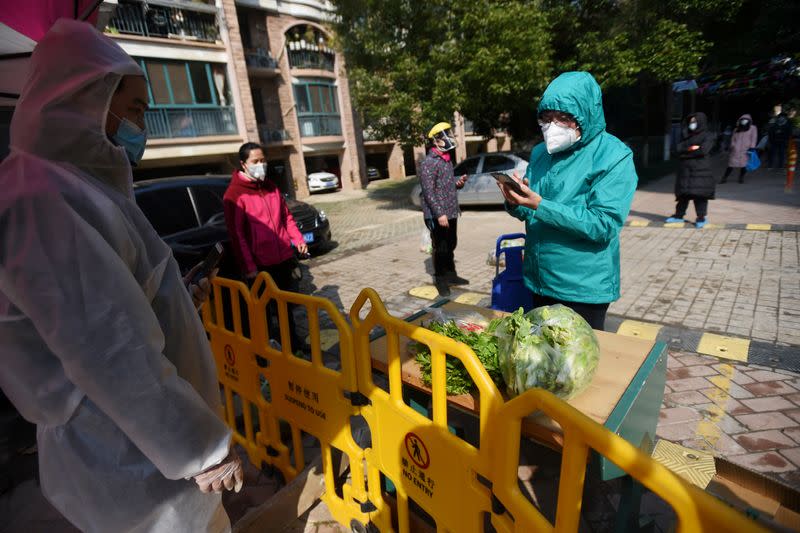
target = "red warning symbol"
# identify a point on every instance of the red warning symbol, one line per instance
(417, 451)
(230, 357)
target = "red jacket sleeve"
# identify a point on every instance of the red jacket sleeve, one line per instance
(236, 220)
(291, 225)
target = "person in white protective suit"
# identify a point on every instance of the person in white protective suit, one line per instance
(102, 346)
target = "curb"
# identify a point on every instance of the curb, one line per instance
(710, 225)
(716, 344)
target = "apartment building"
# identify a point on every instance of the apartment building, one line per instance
(223, 72)
(197, 119)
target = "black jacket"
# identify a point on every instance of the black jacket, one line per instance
(695, 179)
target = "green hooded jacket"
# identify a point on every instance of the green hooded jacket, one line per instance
(572, 242)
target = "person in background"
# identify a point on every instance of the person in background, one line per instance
(576, 195)
(440, 206)
(694, 180)
(102, 346)
(744, 139)
(779, 130)
(264, 236)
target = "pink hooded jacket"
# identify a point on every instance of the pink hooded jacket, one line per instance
(261, 228)
(741, 142)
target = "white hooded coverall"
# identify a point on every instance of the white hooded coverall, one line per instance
(101, 345)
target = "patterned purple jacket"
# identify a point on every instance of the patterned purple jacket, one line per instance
(439, 194)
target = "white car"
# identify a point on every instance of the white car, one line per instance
(481, 187)
(322, 181)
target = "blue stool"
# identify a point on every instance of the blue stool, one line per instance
(509, 292)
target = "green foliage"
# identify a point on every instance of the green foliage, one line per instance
(412, 64)
(457, 379)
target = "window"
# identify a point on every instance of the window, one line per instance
(179, 79)
(158, 83)
(200, 85)
(258, 105)
(497, 163)
(468, 166)
(182, 83)
(168, 210)
(208, 200)
(301, 98)
(316, 96)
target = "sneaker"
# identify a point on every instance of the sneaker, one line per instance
(455, 279)
(442, 287)
(673, 219)
(700, 223)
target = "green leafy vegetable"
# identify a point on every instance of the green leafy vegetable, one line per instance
(458, 380)
(551, 347)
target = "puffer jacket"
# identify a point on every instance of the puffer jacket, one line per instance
(741, 142)
(572, 238)
(695, 179)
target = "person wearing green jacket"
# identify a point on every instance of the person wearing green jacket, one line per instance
(574, 199)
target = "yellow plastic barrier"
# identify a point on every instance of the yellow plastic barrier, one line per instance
(425, 462)
(306, 395)
(696, 510)
(455, 483)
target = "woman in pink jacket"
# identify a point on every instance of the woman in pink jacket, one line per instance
(744, 139)
(263, 232)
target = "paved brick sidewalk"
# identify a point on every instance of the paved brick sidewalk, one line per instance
(760, 200)
(741, 282)
(748, 414)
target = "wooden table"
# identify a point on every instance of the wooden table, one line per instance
(625, 394)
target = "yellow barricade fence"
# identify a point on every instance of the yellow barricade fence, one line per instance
(457, 484)
(305, 395)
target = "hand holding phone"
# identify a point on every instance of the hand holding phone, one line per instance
(511, 183)
(208, 265)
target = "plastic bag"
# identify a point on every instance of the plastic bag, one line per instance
(466, 320)
(753, 162)
(425, 245)
(550, 347)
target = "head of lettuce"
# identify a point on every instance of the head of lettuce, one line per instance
(550, 347)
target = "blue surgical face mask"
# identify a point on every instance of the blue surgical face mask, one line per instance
(132, 138)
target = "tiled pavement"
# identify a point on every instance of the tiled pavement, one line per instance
(748, 414)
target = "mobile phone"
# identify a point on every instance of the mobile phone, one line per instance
(209, 263)
(511, 183)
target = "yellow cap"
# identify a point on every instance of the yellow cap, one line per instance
(440, 127)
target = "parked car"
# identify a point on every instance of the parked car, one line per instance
(373, 174)
(322, 181)
(187, 213)
(481, 187)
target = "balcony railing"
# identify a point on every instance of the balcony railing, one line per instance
(173, 122)
(316, 59)
(273, 136)
(260, 59)
(319, 125)
(150, 20)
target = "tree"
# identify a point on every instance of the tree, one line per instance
(412, 64)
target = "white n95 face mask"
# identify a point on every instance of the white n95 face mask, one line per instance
(558, 138)
(257, 171)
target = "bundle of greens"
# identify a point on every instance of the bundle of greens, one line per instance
(482, 341)
(551, 347)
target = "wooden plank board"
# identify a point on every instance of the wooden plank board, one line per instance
(620, 359)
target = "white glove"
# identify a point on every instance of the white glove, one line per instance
(228, 474)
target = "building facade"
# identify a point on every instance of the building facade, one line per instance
(197, 118)
(224, 72)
